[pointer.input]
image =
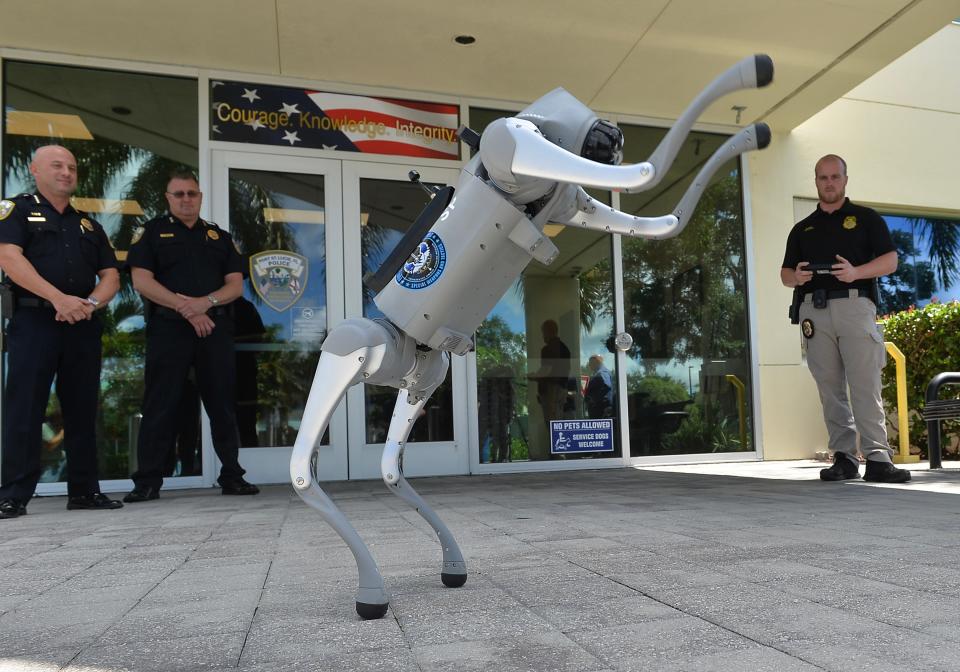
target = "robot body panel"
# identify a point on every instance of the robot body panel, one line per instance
(482, 257)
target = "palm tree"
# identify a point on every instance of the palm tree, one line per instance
(943, 238)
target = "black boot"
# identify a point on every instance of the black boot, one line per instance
(843, 468)
(884, 472)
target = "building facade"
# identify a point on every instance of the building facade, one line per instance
(311, 177)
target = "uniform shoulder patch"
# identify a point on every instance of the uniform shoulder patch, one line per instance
(86, 224)
(137, 235)
(6, 207)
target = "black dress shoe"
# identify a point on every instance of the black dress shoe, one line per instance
(10, 508)
(141, 494)
(97, 500)
(884, 472)
(238, 487)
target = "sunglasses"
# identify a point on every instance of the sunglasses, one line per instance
(184, 194)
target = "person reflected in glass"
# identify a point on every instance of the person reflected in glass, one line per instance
(249, 329)
(497, 400)
(598, 396)
(552, 380)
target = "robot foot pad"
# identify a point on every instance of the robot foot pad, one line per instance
(453, 580)
(370, 612)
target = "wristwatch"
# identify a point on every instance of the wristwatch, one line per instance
(93, 301)
(213, 300)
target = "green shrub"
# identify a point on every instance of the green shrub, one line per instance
(658, 389)
(929, 338)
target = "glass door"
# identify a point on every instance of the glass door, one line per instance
(285, 216)
(379, 204)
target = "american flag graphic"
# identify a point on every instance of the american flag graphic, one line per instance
(278, 115)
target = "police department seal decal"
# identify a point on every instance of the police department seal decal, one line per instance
(279, 277)
(425, 265)
(807, 328)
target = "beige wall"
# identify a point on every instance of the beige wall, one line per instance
(900, 134)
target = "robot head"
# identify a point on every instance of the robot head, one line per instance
(567, 122)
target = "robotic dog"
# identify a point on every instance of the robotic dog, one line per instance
(465, 251)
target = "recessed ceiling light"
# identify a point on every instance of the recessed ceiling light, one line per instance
(464, 39)
(121, 110)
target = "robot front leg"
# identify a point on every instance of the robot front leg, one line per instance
(454, 569)
(355, 350)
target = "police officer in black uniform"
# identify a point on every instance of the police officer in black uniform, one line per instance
(188, 272)
(53, 255)
(833, 258)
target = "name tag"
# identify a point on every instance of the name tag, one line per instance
(36, 219)
(167, 235)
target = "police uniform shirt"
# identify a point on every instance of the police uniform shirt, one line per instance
(856, 233)
(192, 262)
(68, 250)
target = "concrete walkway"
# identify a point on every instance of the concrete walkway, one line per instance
(722, 567)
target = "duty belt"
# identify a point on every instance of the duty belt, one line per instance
(216, 311)
(840, 294)
(28, 302)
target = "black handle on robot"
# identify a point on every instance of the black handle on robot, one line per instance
(751, 72)
(753, 137)
(414, 177)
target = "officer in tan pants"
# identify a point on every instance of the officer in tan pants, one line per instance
(834, 256)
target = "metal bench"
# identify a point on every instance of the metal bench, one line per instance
(935, 410)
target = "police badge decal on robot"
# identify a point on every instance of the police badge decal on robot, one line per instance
(425, 265)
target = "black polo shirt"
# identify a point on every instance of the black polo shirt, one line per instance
(856, 233)
(68, 250)
(188, 261)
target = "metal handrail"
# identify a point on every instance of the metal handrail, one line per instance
(903, 408)
(741, 407)
(933, 424)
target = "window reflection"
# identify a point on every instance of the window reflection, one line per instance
(388, 209)
(535, 348)
(281, 320)
(128, 131)
(929, 263)
(685, 306)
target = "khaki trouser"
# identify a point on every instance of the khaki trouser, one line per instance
(846, 350)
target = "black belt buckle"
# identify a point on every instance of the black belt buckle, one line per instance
(820, 298)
